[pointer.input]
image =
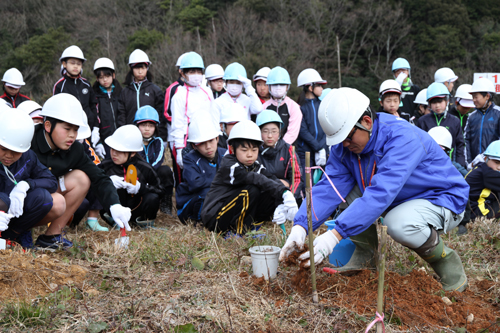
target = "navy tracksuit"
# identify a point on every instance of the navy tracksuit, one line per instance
(483, 127)
(154, 154)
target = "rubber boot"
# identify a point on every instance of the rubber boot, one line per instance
(445, 262)
(95, 226)
(166, 205)
(364, 256)
(142, 223)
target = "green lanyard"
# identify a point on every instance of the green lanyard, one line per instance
(438, 121)
(10, 175)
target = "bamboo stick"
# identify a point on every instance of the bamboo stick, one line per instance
(381, 275)
(309, 224)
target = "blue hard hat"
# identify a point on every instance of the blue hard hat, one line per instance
(146, 113)
(268, 116)
(400, 63)
(324, 93)
(437, 89)
(493, 150)
(278, 75)
(192, 60)
(234, 70)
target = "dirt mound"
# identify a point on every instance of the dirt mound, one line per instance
(24, 275)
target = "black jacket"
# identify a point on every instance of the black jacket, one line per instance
(60, 162)
(149, 94)
(14, 101)
(82, 90)
(107, 109)
(463, 118)
(484, 185)
(408, 99)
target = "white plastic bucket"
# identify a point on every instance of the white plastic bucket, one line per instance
(265, 260)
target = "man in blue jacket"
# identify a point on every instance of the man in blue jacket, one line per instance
(384, 166)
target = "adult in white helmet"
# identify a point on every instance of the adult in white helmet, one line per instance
(463, 104)
(27, 190)
(12, 84)
(261, 86)
(243, 192)
(483, 125)
(446, 76)
(383, 165)
(55, 143)
(73, 83)
(200, 166)
(402, 74)
(214, 75)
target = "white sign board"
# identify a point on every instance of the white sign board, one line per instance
(493, 77)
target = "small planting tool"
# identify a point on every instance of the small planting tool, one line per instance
(124, 240)
(131, 176)
(329, 270)
(309, 225)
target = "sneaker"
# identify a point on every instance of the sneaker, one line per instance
(95, 226)
(52, 243)
(26, 239)
(166, 205)
(462, 230)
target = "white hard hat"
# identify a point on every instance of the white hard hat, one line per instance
(483, 85)
(104, 63)
(201, 129)
(389, 86)
(421, 97)
(464, 97)
(233, 114)
(262, 74)
(72, 52)
(445, 74)
(245, 129)
(16, 131)
(138, 56)
(29, 106)
(179, 60)
(127, 138)
(64, 107)
(339, 111)
(442, 136)
(84, 131)
(14, 77)
(309, 76)
(213, 72)
(4, 106)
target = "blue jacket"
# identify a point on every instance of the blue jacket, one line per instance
(29, 169)
(154, 152)
(197, 176)
(482, 129)
(311, 136)
(409, 165)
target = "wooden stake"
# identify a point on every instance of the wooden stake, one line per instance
(310, 227)
(338, 61)
(381, 275)
(293, 171)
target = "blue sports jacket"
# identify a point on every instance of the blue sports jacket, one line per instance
(311, 136)
(481, 130)
(409, 165)
(154, 152)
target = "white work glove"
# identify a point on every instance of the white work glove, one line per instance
(279, 216)
(290, 205)
(294, 241)
(118, 182)
(100, 151)
(320, 157)
(179, 158)
(133, 189)
(121, 215)
(17, 196)
(323, 247)
(247, 84)
(4, 220)
(478, 159)
(95, 137)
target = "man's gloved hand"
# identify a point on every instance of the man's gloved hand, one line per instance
(133, 189)
(100, 151)
(290, 205)
(247, 84)
(295, 240)
(121, 215)
(320, 157)
(178, 159)
(118, 182)
(95, 137)
(323, 247)
(279, 216)
(17, 196)
(4, 220)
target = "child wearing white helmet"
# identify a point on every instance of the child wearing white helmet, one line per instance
(446, 76)
(229, 117)
(390, 99)
(73, 83)
(483, 124)
(279, 82)
(214, 75)
(463, 104)
(170, 92)
(401, 70)
(12, 83)
(261, 86)
(143, 196)
(33, 109)
(200, 166)
(235, 77)
(243, 193)
(139, 90)
(422, 107)
(56, 144)
(28, 195)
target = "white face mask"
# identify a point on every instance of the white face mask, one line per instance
(278, 90)
(194, 80)
(234, 89)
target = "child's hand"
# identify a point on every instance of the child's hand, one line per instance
(178, 159)
(121, 215)
(95, 137)
(4, 220)
(320, 157)
(290, 205)
(118, 182)
(133, 189)
(279, 216)
(294, 242)
(100, 151)
(17, 196)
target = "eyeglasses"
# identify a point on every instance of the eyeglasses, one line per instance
(273, 132)
(349, 137)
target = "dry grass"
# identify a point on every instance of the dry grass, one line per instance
(154, 286)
